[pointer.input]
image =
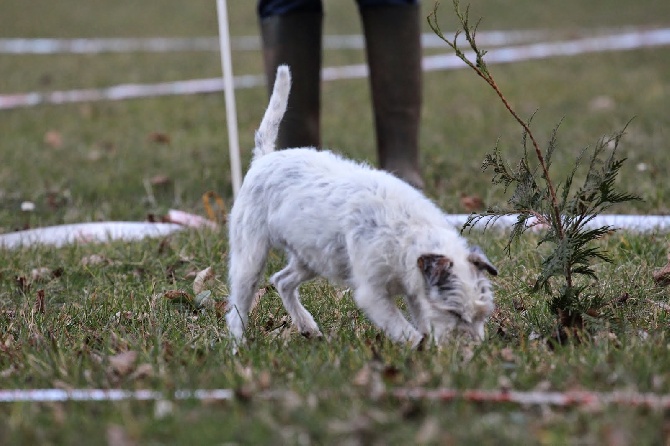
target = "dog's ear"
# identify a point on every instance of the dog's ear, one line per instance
(435, 268)
(481, 262)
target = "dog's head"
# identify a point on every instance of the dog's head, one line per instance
(459, 293)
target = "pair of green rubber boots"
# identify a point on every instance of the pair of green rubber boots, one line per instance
(393, 44)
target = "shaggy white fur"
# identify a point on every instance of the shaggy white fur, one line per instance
(353, 225)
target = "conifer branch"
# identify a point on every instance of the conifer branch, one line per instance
(564, 220)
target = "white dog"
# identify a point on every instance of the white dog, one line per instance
(356, 226)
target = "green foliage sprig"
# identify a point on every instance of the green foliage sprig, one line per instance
(537, 200)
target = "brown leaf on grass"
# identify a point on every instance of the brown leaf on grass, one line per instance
(178, 296)
(123, 363)
(159, 138)
(53, 139)
(621, 300)
(56, 199)
(160, 180)
(201, 278)
(472, 203)
(40, 304)
(23, 283)
(391, 374)
(221, 308)
(257, 297)
(215, 207)
(662, 276)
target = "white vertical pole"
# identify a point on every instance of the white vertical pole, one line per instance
(229, 93)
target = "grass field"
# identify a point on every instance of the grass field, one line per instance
(96, 161)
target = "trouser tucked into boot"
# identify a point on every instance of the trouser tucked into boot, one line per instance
(291, 32)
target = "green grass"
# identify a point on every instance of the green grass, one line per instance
(96, 311)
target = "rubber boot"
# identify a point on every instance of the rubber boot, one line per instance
(295, 40)
(393, 43)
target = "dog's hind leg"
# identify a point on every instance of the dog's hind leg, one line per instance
(246, 267)
(287, 282)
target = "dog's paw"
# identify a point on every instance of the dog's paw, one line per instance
(311, 334)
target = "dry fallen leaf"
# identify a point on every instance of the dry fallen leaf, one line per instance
(215, 207)
(178, 296)
(159, 138)
(662, 276)
(40, 305)
(472, 203)
(257, 297)
(23, 283)
(123, 363)
(201, 279)
(160, 180)
(53, 139)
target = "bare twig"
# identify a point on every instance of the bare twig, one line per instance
(480, 67)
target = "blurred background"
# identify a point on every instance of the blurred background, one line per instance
(120, 160)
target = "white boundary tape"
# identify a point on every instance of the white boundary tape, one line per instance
(18, 46)
(243, 43)
(103, 231)
(615, 42)
(99, 232)
(560, 399)
(94, 232)
(54, 395)
(632, 223)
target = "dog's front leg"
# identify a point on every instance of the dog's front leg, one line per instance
(382, 311)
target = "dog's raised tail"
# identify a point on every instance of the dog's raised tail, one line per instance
(266, 135)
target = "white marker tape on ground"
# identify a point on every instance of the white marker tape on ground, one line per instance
(51, 395)
(633, 223)
(100, 232)
(618, 42)
(560, 399)
(86, 233)
(243, 43)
